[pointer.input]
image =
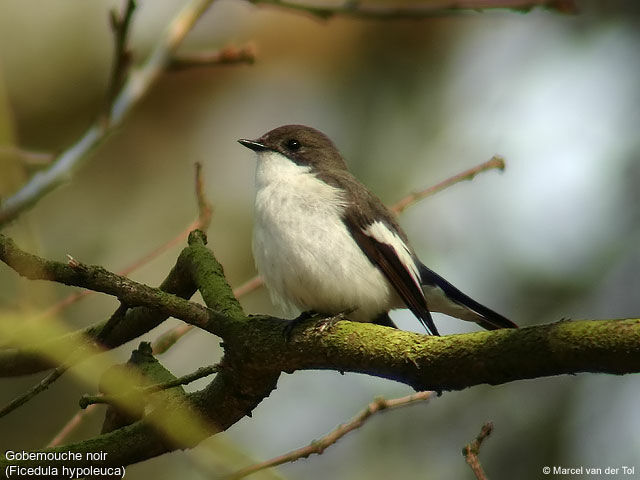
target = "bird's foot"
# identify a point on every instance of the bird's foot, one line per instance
(324, 323)
(328, 323)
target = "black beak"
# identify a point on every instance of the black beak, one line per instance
(253, 145)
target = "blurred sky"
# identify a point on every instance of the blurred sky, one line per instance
(409, 103)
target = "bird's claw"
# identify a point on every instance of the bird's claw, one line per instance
(324, 323)
(328, 323)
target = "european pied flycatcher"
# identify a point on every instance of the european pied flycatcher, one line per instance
(324, 243)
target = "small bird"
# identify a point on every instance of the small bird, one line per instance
(325, 244)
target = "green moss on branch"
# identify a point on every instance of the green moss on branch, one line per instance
(256, 351)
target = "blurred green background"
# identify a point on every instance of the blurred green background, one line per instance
(409, 103)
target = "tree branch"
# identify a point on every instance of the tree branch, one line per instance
(202, 372)
(29, 158)
(39, 387)
(99, 279)
(439, 363)
(120, 24)
(136, 321)
(319, 446)
(356, 9)
(472, 450)
(256, 351)
(445, 363)
(451, 362)
(495, 162)
(229, 55)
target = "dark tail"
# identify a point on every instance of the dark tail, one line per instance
(489, 319)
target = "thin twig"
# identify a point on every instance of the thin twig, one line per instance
(79, 417)
(70, 426)
(229, 55)
(417, 11)
(184, 380)
(496, 162)
(88, 400)
(205, 207)
(41, 386)
(248, 286)
(471, 451)
(169, 338)
(120, 24)
(30, 158)
(319, 446)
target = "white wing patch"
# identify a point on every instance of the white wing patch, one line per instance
(380, 232)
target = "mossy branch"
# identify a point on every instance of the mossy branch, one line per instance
(424, 362)
(256, 351)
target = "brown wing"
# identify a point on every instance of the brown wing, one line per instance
(384, 256)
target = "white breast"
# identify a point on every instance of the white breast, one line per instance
(303, 250)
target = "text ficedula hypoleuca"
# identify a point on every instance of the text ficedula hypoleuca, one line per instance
(323, 243)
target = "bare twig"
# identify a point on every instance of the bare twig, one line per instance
(184, 380)
(70, 426)
(471, 451)
(319, 446)
(496, 162)
(96, 278)
(120, 24)
(422, 10)
(41, 386)
(229, 55)
(169, 338)
(202, 372)
(205, 208)
(29, 158)
(249, 286)
(137, 85)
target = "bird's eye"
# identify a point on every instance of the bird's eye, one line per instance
(293, 145)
